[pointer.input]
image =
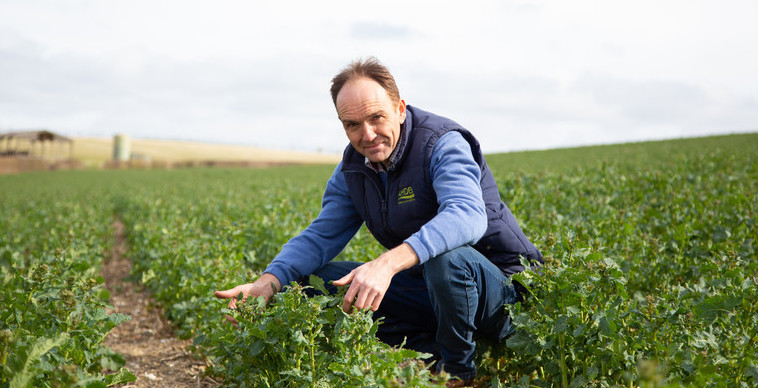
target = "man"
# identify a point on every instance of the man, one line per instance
(422, 187)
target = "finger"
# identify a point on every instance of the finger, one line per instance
(377, 301)
(363, 299)
(373, 301)
(233, 303)
(347, 306)
(226, 294)
(347, 302)
(344, 280)
(231, 320)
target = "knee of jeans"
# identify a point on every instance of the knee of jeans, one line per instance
(439, 268)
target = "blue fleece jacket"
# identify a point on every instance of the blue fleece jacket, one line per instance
(455, 176)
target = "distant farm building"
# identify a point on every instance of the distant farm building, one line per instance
(34, 150)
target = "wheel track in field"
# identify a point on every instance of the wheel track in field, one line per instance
(148, 344)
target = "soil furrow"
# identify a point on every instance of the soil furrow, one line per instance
(150, 349)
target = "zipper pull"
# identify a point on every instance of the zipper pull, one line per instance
(383, 179)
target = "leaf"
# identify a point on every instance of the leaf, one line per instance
(122, 376)
(298, 337)
(579, 330)
(255, 348)
(752, 371)
(318, 283)
(610, 263)
(607, 326)
(103, 294)
(38, 349)
(592, 372)
(519, 340)
(560, 324)
(578, 381)
(523, 320)
(573, 310)
(711, 307)
(118, 318)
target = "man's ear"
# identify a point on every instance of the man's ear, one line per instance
(401, 110)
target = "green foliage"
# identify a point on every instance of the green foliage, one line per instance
(299, 341)
(54, 314)
(651, 267)
(650, 277)
(573, 327)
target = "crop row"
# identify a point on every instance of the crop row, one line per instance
(54, 309)
(651, 273)
(189, 241)
(650, 277)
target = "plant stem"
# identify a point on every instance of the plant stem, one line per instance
(564, 372)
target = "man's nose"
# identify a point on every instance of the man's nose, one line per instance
(369, 134)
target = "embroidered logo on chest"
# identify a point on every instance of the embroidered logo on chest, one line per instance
(405, 195)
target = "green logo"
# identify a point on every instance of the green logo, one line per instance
(405, 195)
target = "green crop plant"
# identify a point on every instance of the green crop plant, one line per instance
(650, 275)
(54, 308)
(302, 341)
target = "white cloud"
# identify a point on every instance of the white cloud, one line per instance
(520, 74)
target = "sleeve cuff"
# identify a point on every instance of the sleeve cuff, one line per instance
(280, 274)
(419, 248)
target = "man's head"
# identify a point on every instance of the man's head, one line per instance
(369, 106)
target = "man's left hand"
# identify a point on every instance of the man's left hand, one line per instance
(370, 281)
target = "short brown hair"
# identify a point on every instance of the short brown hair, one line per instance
(369, 68)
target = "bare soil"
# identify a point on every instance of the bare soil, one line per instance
(152, 352)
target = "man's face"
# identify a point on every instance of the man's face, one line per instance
(370, 118)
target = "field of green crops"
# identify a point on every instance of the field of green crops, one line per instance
(651, 275)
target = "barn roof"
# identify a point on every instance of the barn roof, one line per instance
(35, 136)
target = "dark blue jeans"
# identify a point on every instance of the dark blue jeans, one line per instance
(439, 306)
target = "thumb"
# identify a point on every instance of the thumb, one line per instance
(226, 294)
(344, 280)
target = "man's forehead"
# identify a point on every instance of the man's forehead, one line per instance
(360, 113)
(361, 101)
(361, 89)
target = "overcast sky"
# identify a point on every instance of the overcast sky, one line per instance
(519, 74)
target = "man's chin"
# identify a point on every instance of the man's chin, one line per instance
(376, 157)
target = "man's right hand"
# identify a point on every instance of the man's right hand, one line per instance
(266, 286)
